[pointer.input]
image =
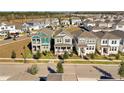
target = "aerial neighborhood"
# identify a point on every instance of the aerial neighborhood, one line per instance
(82, 38)
(101, 33)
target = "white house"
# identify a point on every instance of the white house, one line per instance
(91, 24)
(65, 22)
(62, 42)
(107, 43)
(31, 26)
(85, 43)
(120, 26)
(121, 35)
(76, 21)
(5, 28)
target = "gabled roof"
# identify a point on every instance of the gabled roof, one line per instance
(121, 23)
(44, 33)
(87, 34)
(110, 36)
(99, 34)
(106, 35)
(62, 31)
(118, 33)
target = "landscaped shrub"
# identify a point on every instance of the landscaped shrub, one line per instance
(117, 56)
(92, 56)
(59, 67)
(33, 70)
(60, 57)
(45, 53)
(121, 69)
(37, 55)
(71, 54)
(66, 55)
(13, 55)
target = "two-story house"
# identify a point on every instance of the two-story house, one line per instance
(120, 26)
(121, 35)
(41, 41)
(31, 26)
(85, 43)
(62, 42)
(107, 43)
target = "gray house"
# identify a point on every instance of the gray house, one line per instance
(63, 42)
(85, 43)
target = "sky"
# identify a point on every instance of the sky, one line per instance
(61, 5)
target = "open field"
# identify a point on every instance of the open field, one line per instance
(6, 50)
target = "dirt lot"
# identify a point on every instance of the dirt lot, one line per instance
(6, 50)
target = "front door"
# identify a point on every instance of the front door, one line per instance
(105, 51)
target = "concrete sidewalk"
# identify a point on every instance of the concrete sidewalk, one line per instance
(64, 59)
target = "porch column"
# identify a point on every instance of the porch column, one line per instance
(79, 52)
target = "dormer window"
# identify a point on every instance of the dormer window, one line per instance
(67, 40)
(59, 40)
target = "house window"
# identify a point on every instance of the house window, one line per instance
(11, 26)
(92, 47)
(59, 40)
(38, 41)
(34, 48)
(114, 42)
(2, 28)
(119, 26)
(63, 48)
(104, 42)
(87, 48)
(38, 47)
(67, 40)
(34, 41)
(68, 47)
(113, 48)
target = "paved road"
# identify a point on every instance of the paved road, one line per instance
(4, 42)
(91, 72)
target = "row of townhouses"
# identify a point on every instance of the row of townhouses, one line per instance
(84, 42)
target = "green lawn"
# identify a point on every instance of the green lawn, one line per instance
(92, 62)
(48, 56)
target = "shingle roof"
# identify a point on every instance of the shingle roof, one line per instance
(118, 33)
(106, 35)
(47, 31)
(60, 31)
(121, 23)
(87, 34)
(110, 36)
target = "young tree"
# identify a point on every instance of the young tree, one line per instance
(117, 56)
(33, 70)
(59, 67)
(121, 69)
(37, 55)
(92, 56)
(13, 55)
(24, 55)
(66, 55)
